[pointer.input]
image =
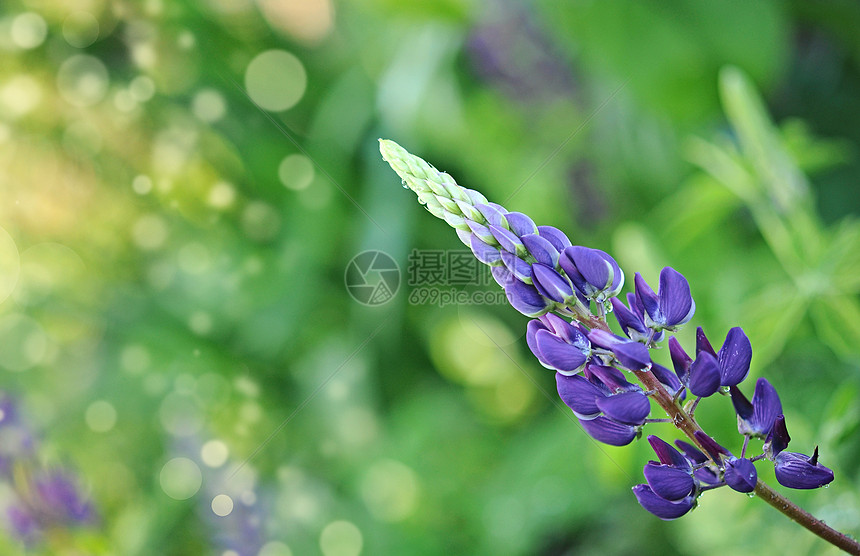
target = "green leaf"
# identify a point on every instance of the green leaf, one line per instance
(837, 319)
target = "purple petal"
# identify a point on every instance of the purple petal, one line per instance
(604, 339)
(662, 508)
(710, 445)
(691, 452)
(592, 264)
(555, 236)
(704, 375)
(680, 360)
(525, 298)
(609, 432)
(566, 263)
(493, 214)
(735, 357)
(667, 378)
(611, 378)
(630, 323)
(647, 299)
(669, 482)
(630, 408)
(766, 406)
(518, 267)
(800, 471)
(558, 354)
(741, 475)
(744, 410)
(541, 249)
(579, 394)
(501, 275)
(632, 355)
(568, 332)
(676, 303)
(59, 493)
(532, 328)
(702, 343)
(509, 242)
(521, 224)
(669, 455)
(550, 283)
(777, 438)
(22, 523)
(485, 253)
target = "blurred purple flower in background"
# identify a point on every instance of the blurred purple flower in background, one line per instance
(40, 499)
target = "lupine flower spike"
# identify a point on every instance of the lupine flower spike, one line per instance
(557, 284)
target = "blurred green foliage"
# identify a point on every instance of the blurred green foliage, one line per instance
(176, 227)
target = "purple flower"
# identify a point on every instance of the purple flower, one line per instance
(604, 429)
(741, 474)
(671, 478)
(525, 298)
(703, 472)
(631, 355)
(794, 470)
(552, 285)
(556, 237)
(777, 439)
(594, 273)
(541, 249)
(756, 418)
(659, 506)
(669, 482)
(558, 344)
(631, 318)
(668, 379)
(734, 356)
(801, 471)
(604, 391)
(702, 376)
(22, 523)
(60, 500)
(711, 447)
(672, 306)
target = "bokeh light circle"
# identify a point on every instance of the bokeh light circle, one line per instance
(209, 105)
(275, 80)
(100, 416)
(82, 80)
(180, 478)
(28, 30)
(341, 538)
(390, 490)
(222, 505)
(214, 453)
(80, 29)
(296, 171)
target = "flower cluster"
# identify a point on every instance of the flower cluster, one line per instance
(40, 499)
(548, 278)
